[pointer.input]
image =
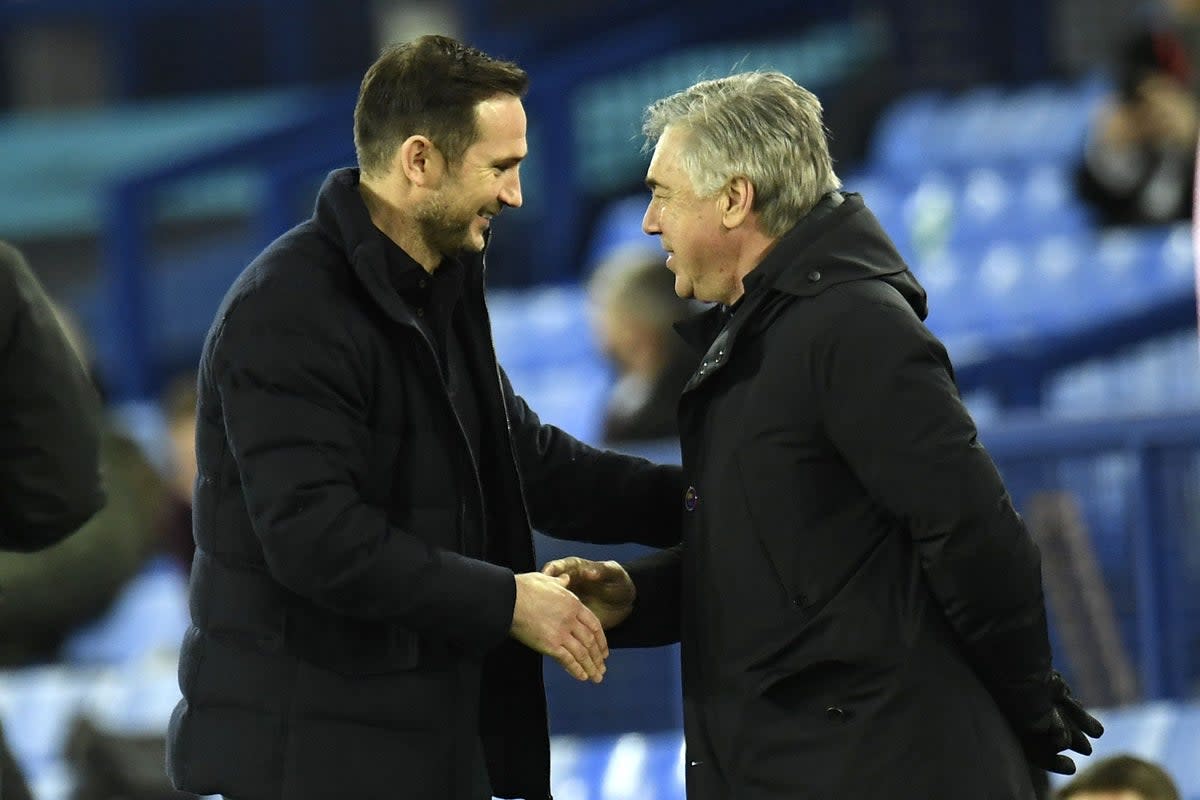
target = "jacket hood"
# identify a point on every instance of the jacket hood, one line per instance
(839, 241)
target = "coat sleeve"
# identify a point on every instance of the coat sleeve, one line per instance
(892, 410)
(50, 480)
(294, 401)
(585, 494)
(656, 616)
(96, 562)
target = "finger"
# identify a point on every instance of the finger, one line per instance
(1085, 721)
(568, 662)
(1062, 765)
(557, 567)
(594, 646)
(566, 564)
(583, 657)
(589, 619)
(1080, 743)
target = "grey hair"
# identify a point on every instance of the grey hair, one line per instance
(759, 125)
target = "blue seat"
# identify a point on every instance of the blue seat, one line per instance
(149, 617)
(907, 132)
(984, 207)
(1059, 265)
(618, 226)
(40, 705)
(541, 327)
(569, 396)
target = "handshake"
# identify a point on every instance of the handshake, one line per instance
(563, 611)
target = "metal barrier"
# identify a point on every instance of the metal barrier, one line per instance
(308, 143)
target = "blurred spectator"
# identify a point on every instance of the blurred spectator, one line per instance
(179, 407)
(1121, 778)
(49, 469)
(634, 308)
(1138, 162)
(52, 593)
(49, 454)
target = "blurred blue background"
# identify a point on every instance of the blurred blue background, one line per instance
(150, 148)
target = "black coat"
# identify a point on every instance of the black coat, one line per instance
(49, 419)
(857, 598)
(347, 595)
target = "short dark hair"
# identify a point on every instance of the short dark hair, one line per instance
(1123, 772)
(429, 86)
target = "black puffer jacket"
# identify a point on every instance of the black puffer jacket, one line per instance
(346, 596)
(859, 604)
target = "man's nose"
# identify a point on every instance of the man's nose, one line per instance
(511, 194)
(650, 221)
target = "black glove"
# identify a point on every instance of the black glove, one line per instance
(1065, 726)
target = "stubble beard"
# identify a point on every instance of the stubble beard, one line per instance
(442, 231)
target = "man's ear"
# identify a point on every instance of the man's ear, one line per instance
(737, 201)
(420, 161)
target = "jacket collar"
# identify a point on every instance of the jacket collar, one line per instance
(701, 330)
(838, 241)
(342, 216)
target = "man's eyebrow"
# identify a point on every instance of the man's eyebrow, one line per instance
(652, 184)
(511, 161)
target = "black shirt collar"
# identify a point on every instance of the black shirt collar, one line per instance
(412, 281)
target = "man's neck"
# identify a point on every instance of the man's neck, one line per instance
(398, 227)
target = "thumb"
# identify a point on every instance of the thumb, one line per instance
(564, 578)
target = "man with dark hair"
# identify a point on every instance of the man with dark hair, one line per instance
(1121, 777)
(367, 618)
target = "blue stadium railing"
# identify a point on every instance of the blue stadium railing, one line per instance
(296, 149)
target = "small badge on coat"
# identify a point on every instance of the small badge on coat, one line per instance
(690, 499)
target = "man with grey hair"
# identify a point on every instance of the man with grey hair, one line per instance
(859, 604)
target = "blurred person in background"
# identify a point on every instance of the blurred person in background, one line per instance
(367, 618)
(859, 604)
(179, 409)
(50, 411)
(1122, 777)
(55, 592)
(634, 310)
(1138, 162)
(50, 479)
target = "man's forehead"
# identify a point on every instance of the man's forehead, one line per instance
(500, 123)
(662, 162)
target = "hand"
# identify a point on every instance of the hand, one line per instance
(603, 586)
(1065, 726)
(550, 620)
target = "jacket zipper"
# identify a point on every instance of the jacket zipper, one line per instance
(466, 442)
(487, 321)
